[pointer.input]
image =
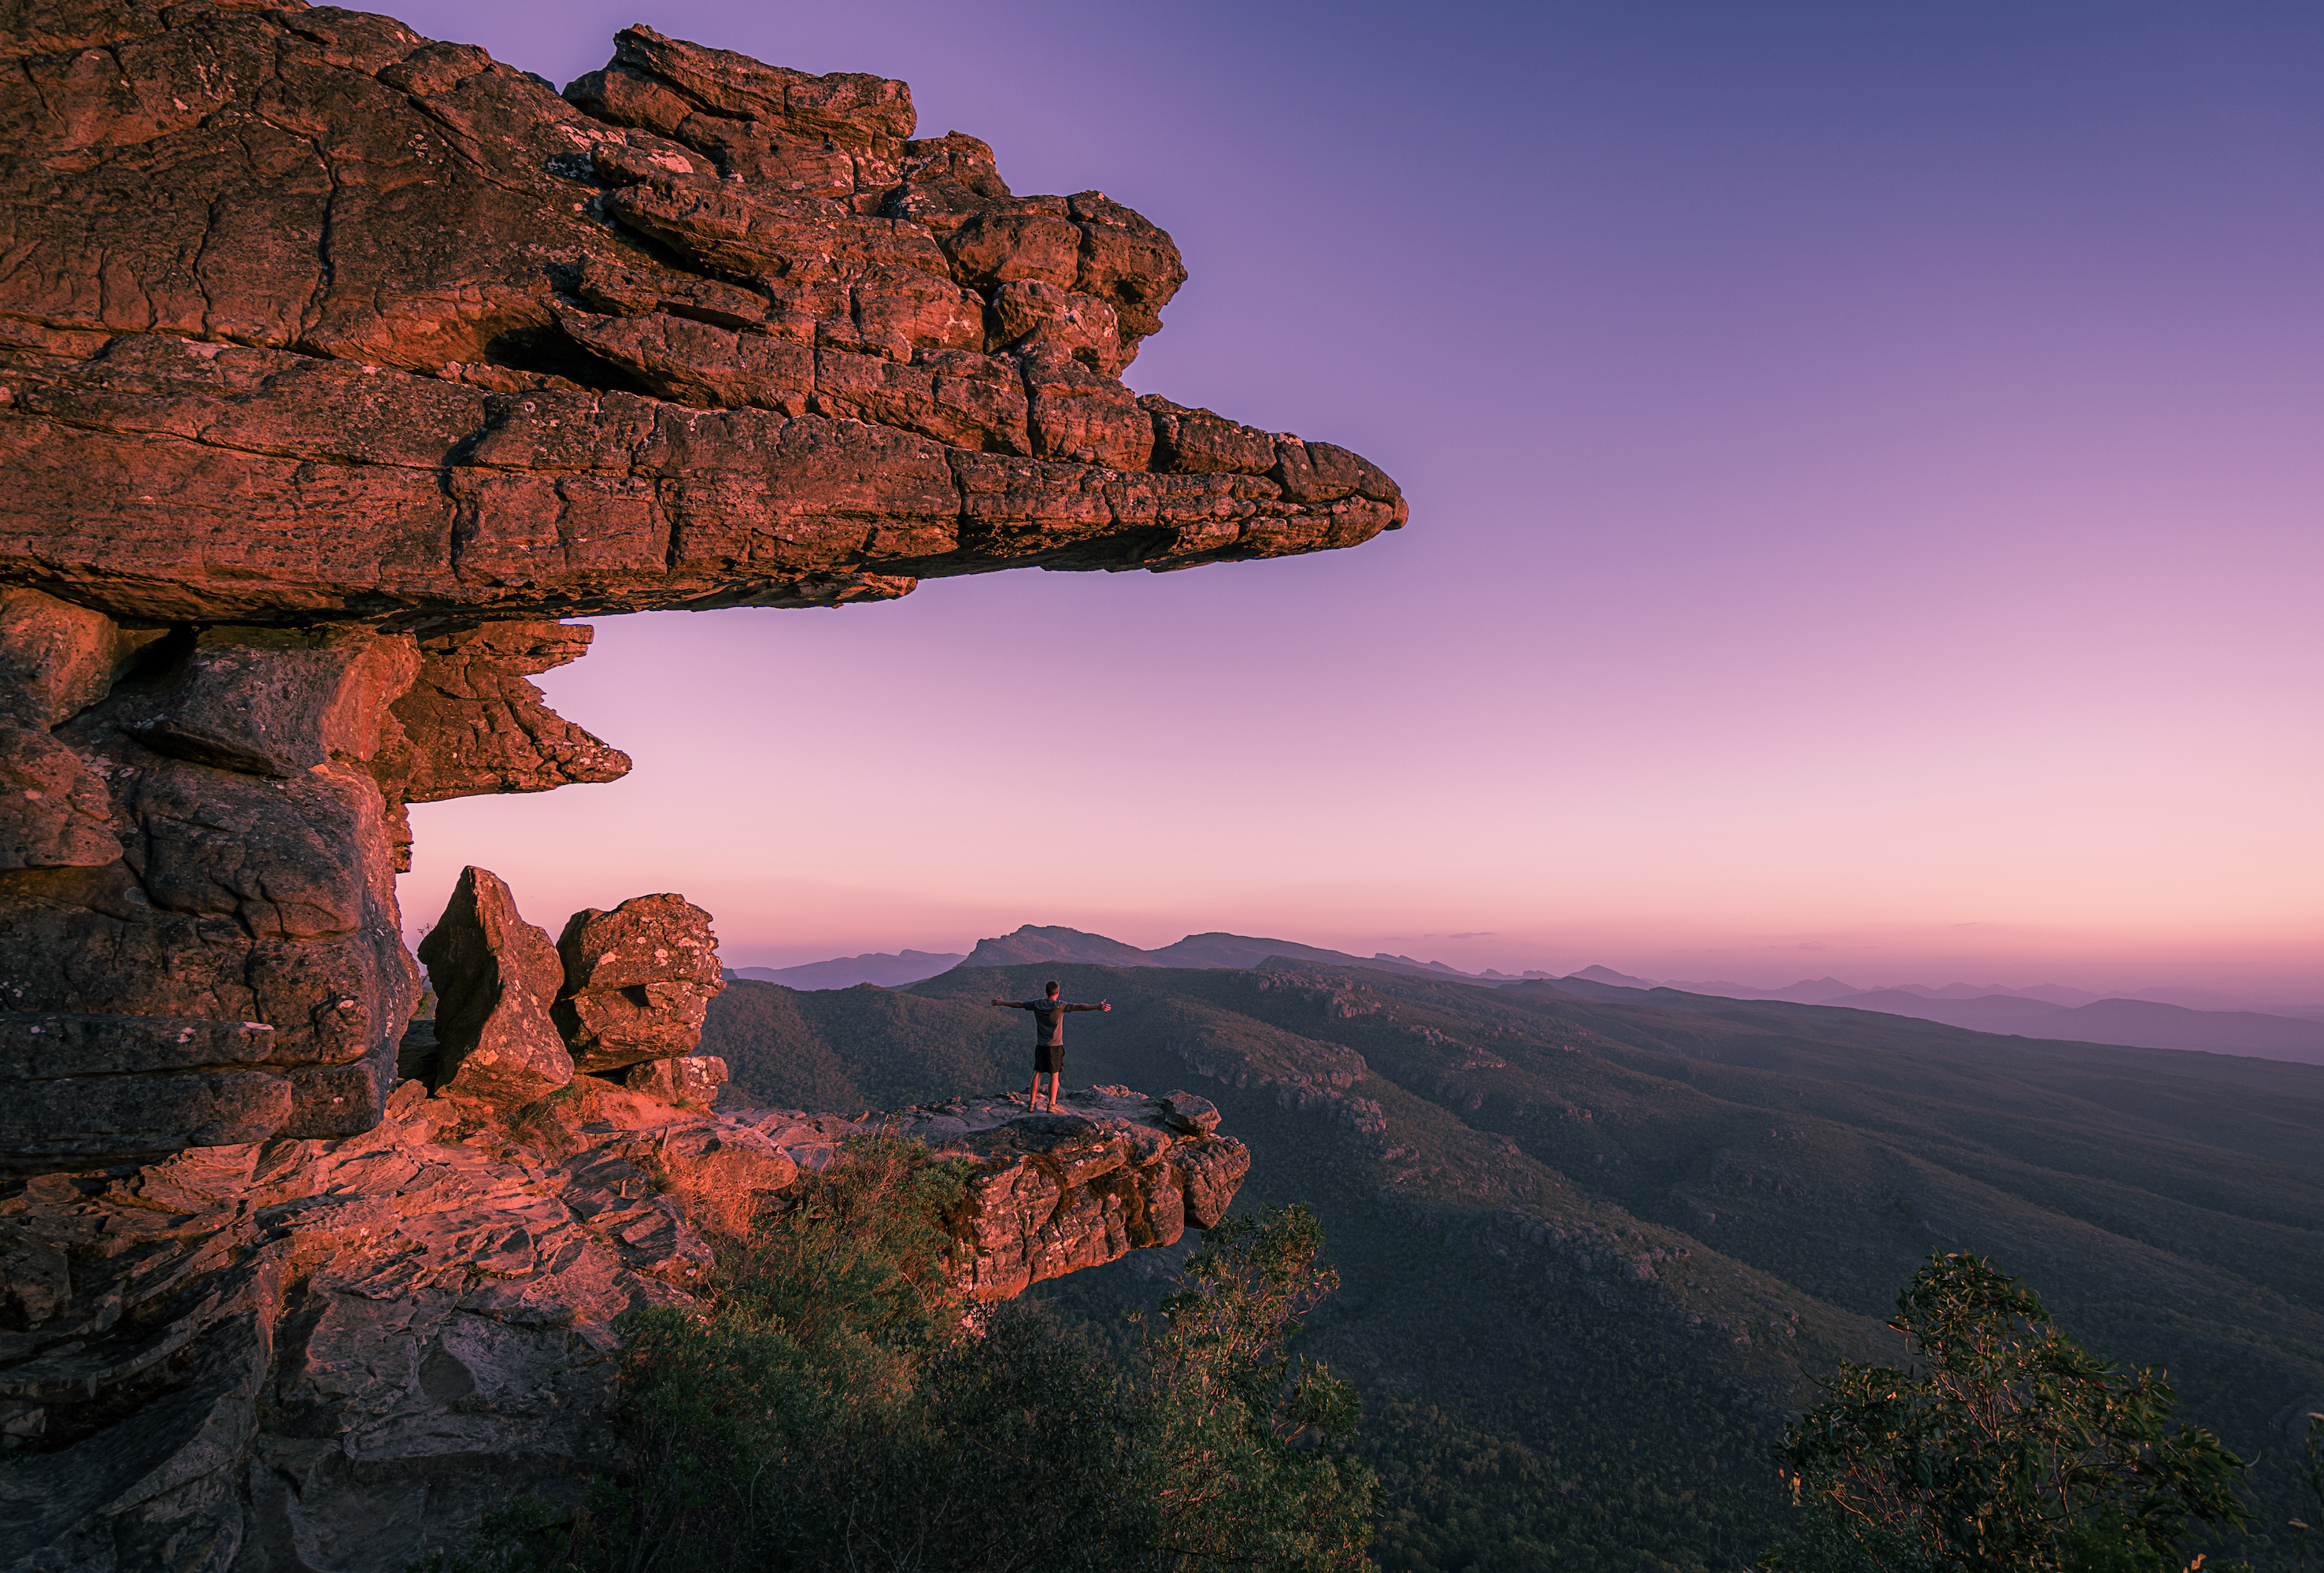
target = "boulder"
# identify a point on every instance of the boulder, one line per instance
(494, 977)
(693, 1079)
(637, 981)
(1185, 1112)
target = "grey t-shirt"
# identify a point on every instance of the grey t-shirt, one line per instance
(1049, 1019)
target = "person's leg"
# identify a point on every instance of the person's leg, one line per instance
(1033, 1099)
(1055, 1077)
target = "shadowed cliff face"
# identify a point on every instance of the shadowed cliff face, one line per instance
(335, 364)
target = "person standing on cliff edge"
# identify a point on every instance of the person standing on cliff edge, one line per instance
(1048, 1038)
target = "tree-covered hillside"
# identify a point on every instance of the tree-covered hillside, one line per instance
(1593, 1252)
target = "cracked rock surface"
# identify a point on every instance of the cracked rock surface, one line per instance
(1109, 1171)
(306, 317)
(336, 367)
(200, 942)
(293, 1355)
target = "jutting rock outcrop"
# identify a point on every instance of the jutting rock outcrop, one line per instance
(309, 318)
(337, 366)
(337, 1352)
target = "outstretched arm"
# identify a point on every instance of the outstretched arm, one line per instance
(1100, 1005)
(1010, 1004)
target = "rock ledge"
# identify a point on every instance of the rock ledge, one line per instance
(293, 1354)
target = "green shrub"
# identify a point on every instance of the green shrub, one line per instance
(838, 1405)
(2013, 1450)
(2310, 1529)
(1241, 1450)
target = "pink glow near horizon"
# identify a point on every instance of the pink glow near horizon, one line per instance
(1865, 499)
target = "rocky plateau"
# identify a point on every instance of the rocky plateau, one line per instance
(338, 1353)
(336, 367)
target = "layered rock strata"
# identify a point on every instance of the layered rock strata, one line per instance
(335, 367)
(310, 318)
(296, 1355)
(200, 834)
(335, 364)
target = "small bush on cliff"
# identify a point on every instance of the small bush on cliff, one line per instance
(836, 1409)
(1242, 1439)
(2012, 1450)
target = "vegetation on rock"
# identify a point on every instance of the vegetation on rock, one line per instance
(839, 1403)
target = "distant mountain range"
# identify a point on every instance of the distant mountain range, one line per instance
(1831, 990)
(2146, 1020)
(1036, 943)
(889, 969)
(2030, 1013)
(2145, 1024)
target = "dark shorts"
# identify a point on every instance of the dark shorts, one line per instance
(1048, 1058)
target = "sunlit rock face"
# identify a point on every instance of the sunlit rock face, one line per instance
(1108, 1171)
(309, 318)
(336, 365)
(285, 1355)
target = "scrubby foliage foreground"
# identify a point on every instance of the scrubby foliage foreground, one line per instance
(2009, 1448)
(839, 1407)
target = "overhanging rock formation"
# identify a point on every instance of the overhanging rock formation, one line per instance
(315, 320)
(337, 365)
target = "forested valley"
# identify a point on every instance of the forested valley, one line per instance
(1592, 1255)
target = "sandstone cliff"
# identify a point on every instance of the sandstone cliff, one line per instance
(309, 318)
(335, 367)
(334, 363)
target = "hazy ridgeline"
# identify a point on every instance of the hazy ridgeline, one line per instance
(1592, 1252)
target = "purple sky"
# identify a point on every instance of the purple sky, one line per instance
(1867, 511)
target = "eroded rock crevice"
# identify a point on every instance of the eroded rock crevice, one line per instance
(200, 942)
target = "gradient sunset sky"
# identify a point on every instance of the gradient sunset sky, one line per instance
(1867, 468)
